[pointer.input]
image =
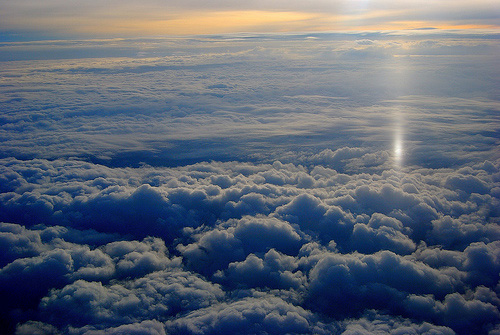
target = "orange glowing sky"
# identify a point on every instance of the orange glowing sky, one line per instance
(115, 18)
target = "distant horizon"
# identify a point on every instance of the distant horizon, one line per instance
(397, 32)
(67, 49)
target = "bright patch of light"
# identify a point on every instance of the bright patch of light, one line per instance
(398, 150)
(398, 141)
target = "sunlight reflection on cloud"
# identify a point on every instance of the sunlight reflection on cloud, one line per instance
(398, 145)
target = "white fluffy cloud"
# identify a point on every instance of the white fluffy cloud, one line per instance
(345, 236)
(260, 314)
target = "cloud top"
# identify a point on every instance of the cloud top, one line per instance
(326, 183)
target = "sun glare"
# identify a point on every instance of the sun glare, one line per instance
(398, 147)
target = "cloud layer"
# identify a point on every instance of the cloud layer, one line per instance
(419, 247)
(305, 184)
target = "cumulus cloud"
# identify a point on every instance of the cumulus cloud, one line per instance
(348, 237)
(382, 324)
(154, 296)
(144, 327)
(260, 314)
(272, 270)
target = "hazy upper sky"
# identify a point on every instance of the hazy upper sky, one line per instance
(112, 18)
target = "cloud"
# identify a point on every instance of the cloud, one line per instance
(378, 280)
(145, 327)
(373, 324)
(251, 183)
(249, 315)
(367, 240)
(273, 270)
(123, 125)
(465, 314)
(154, 296)
(47, 270)
(355, 233)
(36, 327)
(263, 230)
(448, 232)
(134, 258)
(313, 216)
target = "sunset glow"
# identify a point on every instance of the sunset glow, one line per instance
(120, 19)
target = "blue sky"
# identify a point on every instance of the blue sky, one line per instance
(322, 169)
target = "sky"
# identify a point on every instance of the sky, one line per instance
(127, 18)
(233, 167)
